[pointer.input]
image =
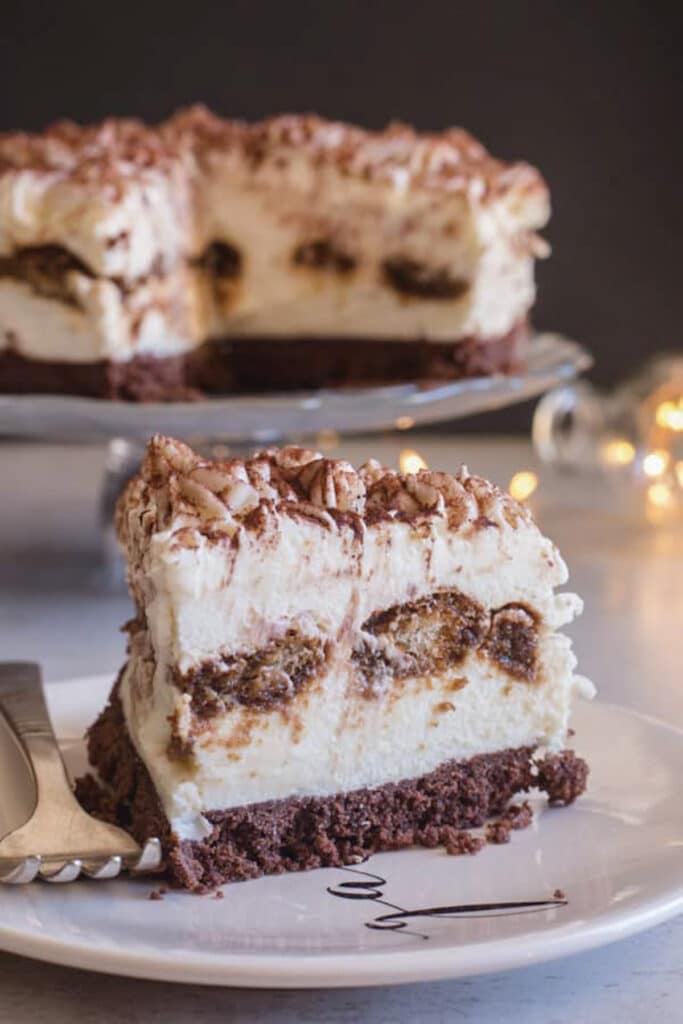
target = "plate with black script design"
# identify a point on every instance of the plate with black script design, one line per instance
(577, 878)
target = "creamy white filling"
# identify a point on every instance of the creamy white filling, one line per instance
(480, 244)
(220, 596)
(212, 598)
(104, 325)
(365, 307)
(108, 324)
(116, 235)
(266, 216)
(339, 742)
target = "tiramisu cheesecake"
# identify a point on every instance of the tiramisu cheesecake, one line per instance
(205, 255)
(327, 662)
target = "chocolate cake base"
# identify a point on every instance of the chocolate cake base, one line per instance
(309, 832)
(143, 379)
(243, 365)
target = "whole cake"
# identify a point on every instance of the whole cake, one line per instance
(327, 662)
(212, 256)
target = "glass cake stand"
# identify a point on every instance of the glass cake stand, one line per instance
(273, 418)
(243, 422)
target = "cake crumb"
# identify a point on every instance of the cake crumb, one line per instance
(516, 817)
(520, 815)
(158, 894)
(459, 842)
(498, 832)
(563, 777)
(559, 894)
(219, 894)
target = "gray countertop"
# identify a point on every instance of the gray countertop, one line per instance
(58, 605)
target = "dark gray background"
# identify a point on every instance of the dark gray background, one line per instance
(589, 92)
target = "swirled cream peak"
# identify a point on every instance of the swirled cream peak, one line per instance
(106, 157)
(452, 160)
(127, 198)
(177, 489)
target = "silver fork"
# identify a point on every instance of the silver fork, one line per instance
(59, 840)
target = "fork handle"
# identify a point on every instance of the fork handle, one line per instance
(22, 703)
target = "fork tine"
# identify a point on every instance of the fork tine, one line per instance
(66, 872)
(25, 871)
(36, 847)
(150, 858)
(103, 870)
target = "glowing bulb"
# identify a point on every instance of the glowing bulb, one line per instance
(523, 485)
(655, 463)
(670, 415)
(618, 452)
(411, 461)
(405, 423)
(659, 495)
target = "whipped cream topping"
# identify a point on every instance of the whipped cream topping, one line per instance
(314, 210)
(112, 194)
(224, 556)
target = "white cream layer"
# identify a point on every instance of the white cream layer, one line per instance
(266, 215)
(115, 235)
(106, 324)
(341, 742)
(202, 600)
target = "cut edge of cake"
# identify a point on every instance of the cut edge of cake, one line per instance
(142, 262)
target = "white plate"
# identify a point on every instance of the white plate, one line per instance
(552, 360)
(617, 854)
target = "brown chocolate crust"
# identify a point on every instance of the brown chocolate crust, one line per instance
(262, 364)
(300, 833)
(142, 379)
(266, 364)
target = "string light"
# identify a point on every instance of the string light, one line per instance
(655, 462)
(411, 461)
(660, 495)
(633, 436)
(618, 452)
(669, 415)
(523, 484)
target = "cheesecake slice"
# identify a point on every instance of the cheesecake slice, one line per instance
(327, 662)
(210, 256)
